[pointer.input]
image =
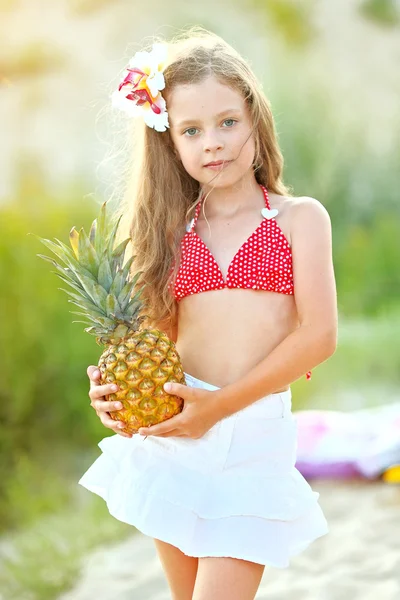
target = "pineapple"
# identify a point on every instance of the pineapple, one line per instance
(138, 360)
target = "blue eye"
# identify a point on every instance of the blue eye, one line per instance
(232, 121)
(193, 129)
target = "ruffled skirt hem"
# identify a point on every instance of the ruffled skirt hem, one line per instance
(256, 539)
(235, 492)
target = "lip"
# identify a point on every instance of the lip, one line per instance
(218, 163)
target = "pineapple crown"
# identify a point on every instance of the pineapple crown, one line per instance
(102, 285)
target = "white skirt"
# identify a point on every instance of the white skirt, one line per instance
(234, 492)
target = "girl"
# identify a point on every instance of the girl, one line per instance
(239, 274)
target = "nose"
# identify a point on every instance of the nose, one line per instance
(212, 142)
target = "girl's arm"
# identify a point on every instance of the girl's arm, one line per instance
(315, 295)
(169, 328)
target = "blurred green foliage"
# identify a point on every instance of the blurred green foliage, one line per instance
(292, 20)
(382, 12)
(44, 385)
(46, 557)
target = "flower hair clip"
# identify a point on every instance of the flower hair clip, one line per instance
(139, 92)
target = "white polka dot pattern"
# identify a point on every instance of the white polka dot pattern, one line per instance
(263, 262)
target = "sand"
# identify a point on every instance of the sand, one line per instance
(358, 560)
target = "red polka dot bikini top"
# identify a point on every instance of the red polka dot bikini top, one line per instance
(263, 262)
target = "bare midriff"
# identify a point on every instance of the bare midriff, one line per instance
(222, 334)
(225, 333)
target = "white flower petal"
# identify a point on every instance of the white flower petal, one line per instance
(158, 122)
(152, 63)
(160, 102)
(139, 60)
(155, 83)
(160, 53)
(120, 101)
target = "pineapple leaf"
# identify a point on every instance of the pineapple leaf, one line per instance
(96, 292)
(125, 296)
(126, 271)
(88, 308)
(50, 260)
(83, 298)
(133, 308)
(66, 274)
(112, 305)
(74, 241)
(84, 322)
(81, 314)
(136, 277)
(118, 254)
(139, 292)
(92, 233)
(90, 330)
(121, 278)
(87, 254)
(101, 230)
(111, 239)
(105, 275)
(65, 255)
(59, 252)
(76, 286)
(76, 265)
(102, 321)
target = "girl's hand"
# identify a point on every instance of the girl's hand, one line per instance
(197, 417)
(101, 406)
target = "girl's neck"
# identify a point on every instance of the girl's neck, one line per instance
(228, 201)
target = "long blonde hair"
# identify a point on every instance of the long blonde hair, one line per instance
(160, 196)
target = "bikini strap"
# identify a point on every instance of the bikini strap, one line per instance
(196, 216)
(264, 189)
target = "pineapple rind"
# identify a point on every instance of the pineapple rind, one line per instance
(140, 364)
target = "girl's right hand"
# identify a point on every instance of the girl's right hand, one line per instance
(100, 405)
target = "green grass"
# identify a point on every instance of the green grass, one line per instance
(44, 560)
(364, 371)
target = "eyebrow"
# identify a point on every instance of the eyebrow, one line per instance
(218, 116)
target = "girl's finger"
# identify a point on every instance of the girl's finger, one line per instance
(98, 391)
(105, 406)
(173, 432)
(114, 425)
(93, 373)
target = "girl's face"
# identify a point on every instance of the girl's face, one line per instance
(210, 123)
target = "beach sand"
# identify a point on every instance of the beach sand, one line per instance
(359, 559)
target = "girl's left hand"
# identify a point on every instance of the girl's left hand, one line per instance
(197, 417)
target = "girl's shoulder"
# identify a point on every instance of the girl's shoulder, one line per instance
(301, 215)
(296, 204)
